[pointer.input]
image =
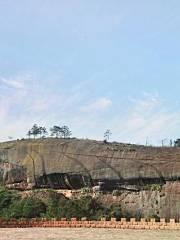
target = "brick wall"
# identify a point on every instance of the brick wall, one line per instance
(73, 223)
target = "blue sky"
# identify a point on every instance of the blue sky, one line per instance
(93, 65)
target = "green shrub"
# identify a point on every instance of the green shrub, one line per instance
(7, 198)
(32, 207)
(153, 187)
(86, 190)
(83, 207)
(56, 206)
(116, 193)
(27, 208)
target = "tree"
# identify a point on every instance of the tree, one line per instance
(56, 131)
(43, 132)
(29, 133)
(177, 143)
(59, 131)
(107, 135)
(35, 130)
(66, 131)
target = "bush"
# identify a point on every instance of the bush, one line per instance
(7, 198)
(83, 207)
(153, 187)
(12, 206)
(26, 208)
(116, 193)
(32, 207)
(86, 190)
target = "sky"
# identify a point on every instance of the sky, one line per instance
(92, 65)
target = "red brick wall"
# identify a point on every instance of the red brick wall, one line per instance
(123, 224)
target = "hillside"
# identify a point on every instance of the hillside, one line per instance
(73, 163)
(147, 177)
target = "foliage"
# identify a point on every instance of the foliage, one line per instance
(6, 199)
(177, 143)
(86, 206)
(59, 131)
(14, 206)
(56, 131)
(153, 187)
(66, 131)
(28, 207)
(116, 193)
(107, 135)
(86, 190)
(37, 130)
(32, 207)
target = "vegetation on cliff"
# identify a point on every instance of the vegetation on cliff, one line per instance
(14, 205)
(55, 131)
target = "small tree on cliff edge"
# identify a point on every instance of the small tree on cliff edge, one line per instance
(29, 133)
(37, 130)
(107, 135)
(55, 131)
(177, 142)
(43, 132)
(66, 133)
(34, 130)
(58, 131)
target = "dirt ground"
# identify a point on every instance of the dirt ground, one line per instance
(87, 234)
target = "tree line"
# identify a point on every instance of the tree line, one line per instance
(55, 131)
(64, 132)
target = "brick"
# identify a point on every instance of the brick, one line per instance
(123, 219)
(172, 220)
(123, 224)
(153, 220)
(132, 220)
(162, 220)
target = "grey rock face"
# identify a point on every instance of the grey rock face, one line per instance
(73, 164)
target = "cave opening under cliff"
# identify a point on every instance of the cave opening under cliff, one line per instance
(78, 181)
(63, 181)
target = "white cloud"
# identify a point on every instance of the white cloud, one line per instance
(26, 101)
(18, 82)
(12, 83)
(148, 117)
(98, 105)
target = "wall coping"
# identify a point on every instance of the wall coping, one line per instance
(124, 223)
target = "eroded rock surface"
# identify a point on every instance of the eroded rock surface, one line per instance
(73, 164)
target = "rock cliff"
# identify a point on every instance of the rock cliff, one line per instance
(146, 173)
(73, 163)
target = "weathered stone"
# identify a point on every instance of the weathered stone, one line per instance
(149, 174)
